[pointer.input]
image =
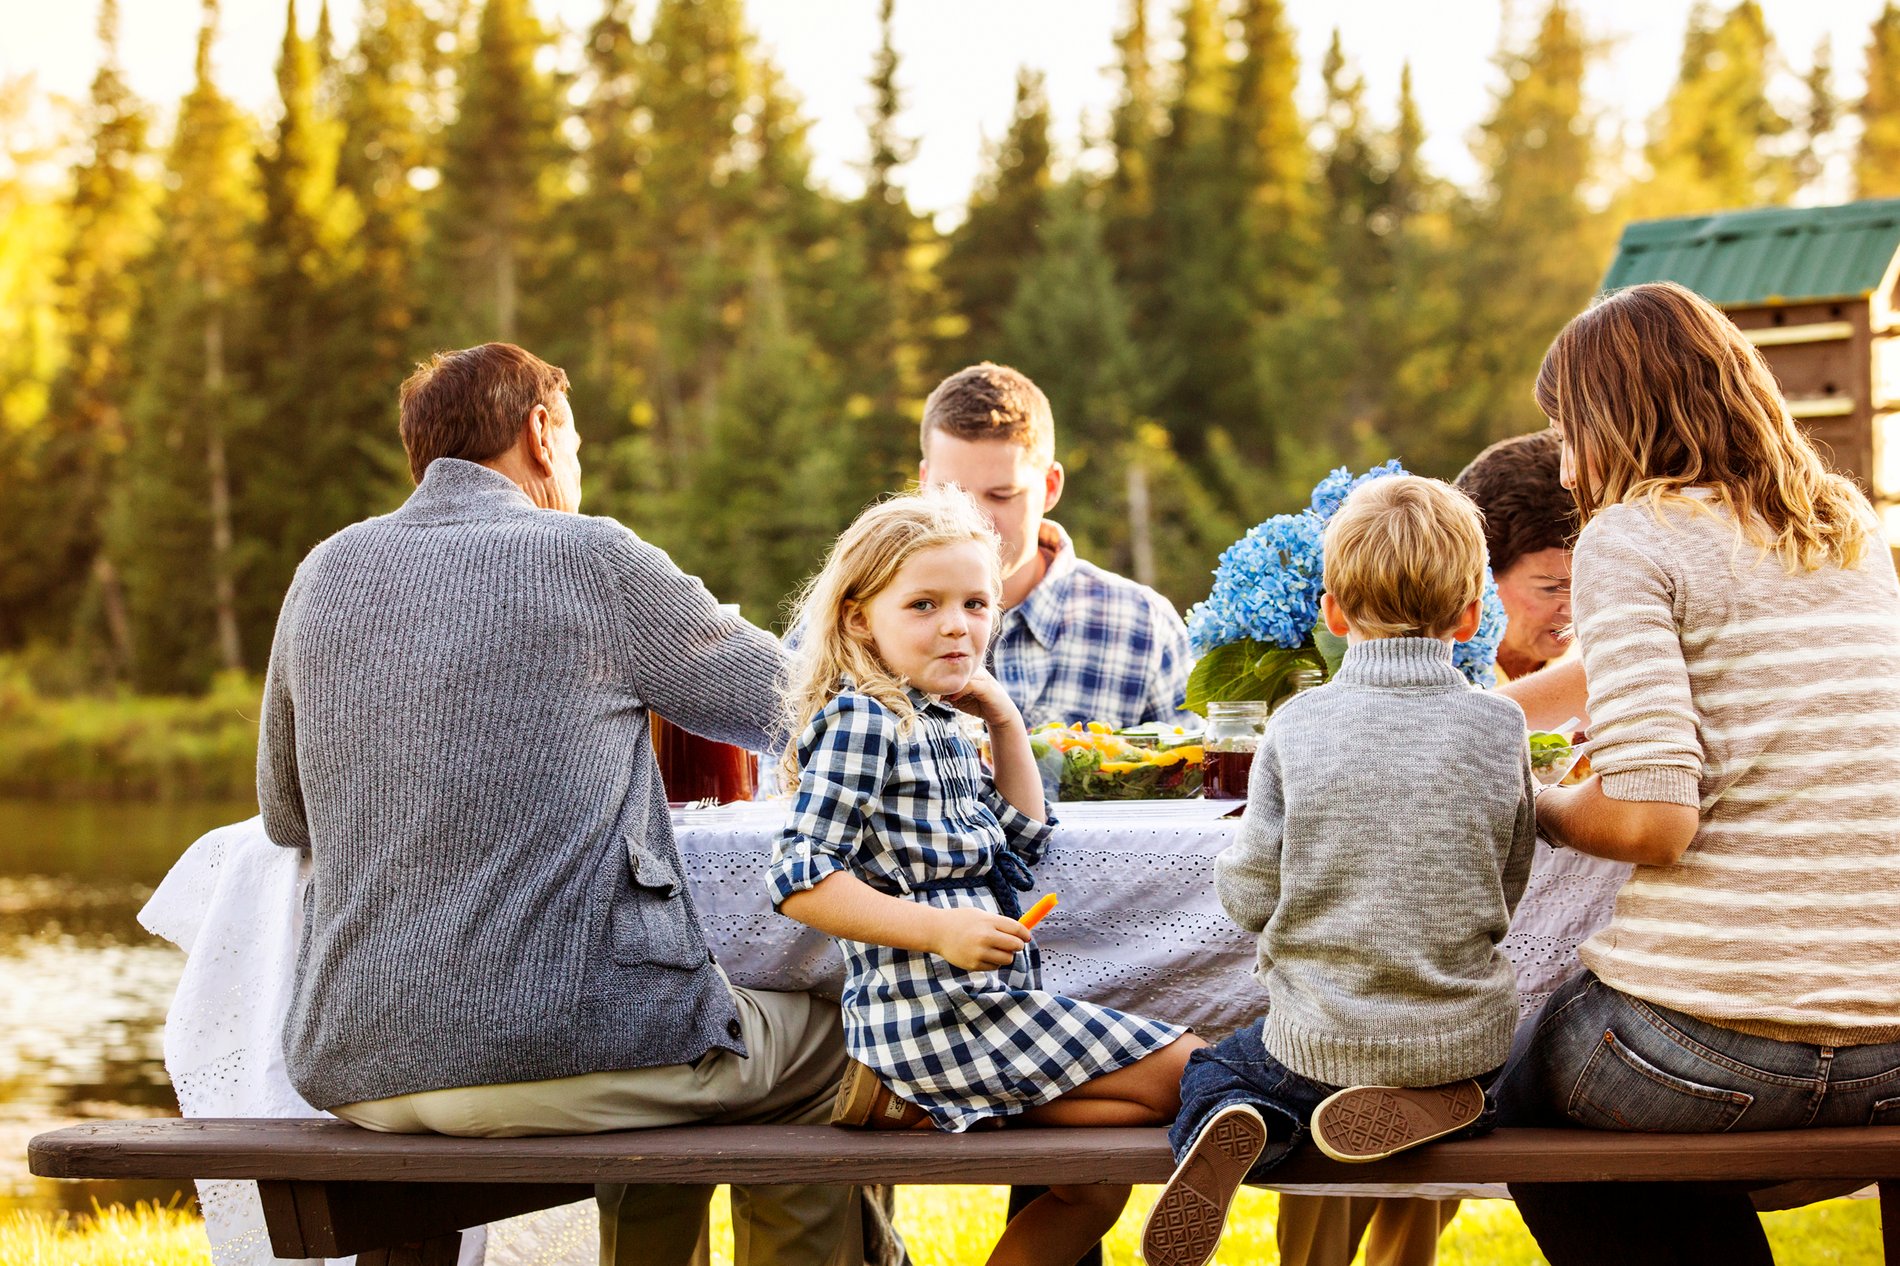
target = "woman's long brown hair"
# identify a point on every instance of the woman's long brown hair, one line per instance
(1657, 391)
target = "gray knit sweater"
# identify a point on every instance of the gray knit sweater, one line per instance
(455, 727)
(1387, 838)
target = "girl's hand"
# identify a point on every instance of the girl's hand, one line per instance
(984, 697)
(974, 939)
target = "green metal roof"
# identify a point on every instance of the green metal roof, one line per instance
(1773, 255)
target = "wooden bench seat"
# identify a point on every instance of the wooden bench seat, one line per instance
(330, 1189)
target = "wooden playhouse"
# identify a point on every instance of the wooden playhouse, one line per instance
(1815, 289)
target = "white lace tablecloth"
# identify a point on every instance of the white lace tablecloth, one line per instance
(1138, 925)
(1138, 928)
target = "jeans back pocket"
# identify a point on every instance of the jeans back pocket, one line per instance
(651, 921)
(1620, 1090)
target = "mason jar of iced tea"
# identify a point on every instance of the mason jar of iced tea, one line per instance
(1233, 734)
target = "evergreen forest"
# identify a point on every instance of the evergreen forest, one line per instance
(202, 331)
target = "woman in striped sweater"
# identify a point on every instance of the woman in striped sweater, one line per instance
(1739, 619)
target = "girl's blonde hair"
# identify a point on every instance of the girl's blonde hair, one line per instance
(862, 564)
(1657, 391)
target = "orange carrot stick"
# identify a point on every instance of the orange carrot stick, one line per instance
(1037, 911)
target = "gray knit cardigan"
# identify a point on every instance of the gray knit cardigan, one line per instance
(455, 727)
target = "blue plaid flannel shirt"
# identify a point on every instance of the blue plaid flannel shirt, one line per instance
(1088, 645)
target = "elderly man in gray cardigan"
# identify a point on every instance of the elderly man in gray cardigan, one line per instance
(498, 937)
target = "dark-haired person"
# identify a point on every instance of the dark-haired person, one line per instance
(1530, 524)
(499, 939)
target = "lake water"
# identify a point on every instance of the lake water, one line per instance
(83, 988)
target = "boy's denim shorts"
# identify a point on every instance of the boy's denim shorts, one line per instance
(1238, 1069)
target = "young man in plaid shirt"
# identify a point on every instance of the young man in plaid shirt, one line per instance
(1075, 642)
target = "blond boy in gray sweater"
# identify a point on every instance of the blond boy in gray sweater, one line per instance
(1387, 838)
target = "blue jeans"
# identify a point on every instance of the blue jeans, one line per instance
(1237, 1069)
(1600, 1058)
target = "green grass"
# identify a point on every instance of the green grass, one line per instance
(126, 746)
(955, 1226)
(146, 1235)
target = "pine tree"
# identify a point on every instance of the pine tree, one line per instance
(499, 175)
(387, 144)
(1877, 160)
(1128, 213)
(699, 75)
(608, 271)
(1203, 334)
(765, 494)
(997, 240)
(1715, 145)
(55, 520)
(1270, 154)
(886, 379)
(1530, 250)
(293, 349)
(1820, 114)
(172, 518)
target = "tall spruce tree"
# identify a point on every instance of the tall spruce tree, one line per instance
(886, 379)
(1877, 159)
(499, 177)
(55, 520)
(304, 460)
(172, 523)
(389, 144)
(1531, 250)
(997, 240)
(607, 272)
(1716, 144)
(1821, 112)
(1271, 156)
(1204, 333)
(1131, 229)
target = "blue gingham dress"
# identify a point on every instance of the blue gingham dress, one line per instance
(912, 813)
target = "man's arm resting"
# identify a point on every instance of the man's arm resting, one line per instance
(1646, 832)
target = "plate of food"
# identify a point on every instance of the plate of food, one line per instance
(1095, 761)
(1555, 761)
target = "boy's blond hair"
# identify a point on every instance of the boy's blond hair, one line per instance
(992, 402)
(1405, 557)
(863, 562)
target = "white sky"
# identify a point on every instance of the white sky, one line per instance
(959, 60)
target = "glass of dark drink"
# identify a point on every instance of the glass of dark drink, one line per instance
(1234, 728)
(695, 768)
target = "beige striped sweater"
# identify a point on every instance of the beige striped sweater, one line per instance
(1771, 702)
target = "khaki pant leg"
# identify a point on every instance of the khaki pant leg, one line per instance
(1321, 1230)
(658, 1223)
(1405, 1231)
(796, 1058)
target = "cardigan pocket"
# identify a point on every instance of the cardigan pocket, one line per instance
(652, 923)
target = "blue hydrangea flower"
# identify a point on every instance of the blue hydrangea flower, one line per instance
(1331, 492)
(1476, 657)
(1266, 588)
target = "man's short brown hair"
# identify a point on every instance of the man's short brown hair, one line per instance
(1405, 557)
(471, 403)
(991, 402)
(1518, 486)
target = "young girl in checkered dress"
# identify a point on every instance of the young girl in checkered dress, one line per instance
(902, 847)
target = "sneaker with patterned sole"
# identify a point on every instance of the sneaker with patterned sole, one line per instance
(1185, 1225)
(1369, 1123)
